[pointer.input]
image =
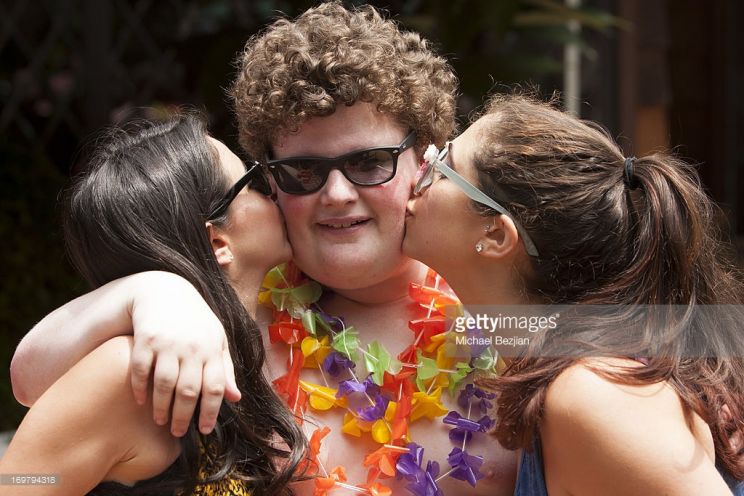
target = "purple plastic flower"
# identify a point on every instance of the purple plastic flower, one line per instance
(465, 394)
(482, 398)
(479, 344)
(334, 322)
(345, 388)
(427, 485)
(335, 363)
(371, 388)
(459, 436)
(464, 428)
(409, 464)
(486, 423)
(368, 386)
(376, 411)
(454, 418)
(467, 467)
(422, 482)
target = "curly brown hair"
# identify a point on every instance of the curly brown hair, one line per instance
(299, 69)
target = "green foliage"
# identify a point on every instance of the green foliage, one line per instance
(505, 41)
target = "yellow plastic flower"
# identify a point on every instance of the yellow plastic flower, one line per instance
(321, 397)
(272, 279)
(427, 405)
(315, 351)
(351, 425)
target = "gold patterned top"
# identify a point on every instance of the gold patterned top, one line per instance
(227, 486)
(223, 487)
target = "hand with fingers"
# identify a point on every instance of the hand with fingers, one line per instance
(181, 348)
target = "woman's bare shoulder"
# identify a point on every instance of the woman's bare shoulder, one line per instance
(590, 420)
(87, 426)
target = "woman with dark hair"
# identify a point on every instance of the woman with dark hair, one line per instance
(533, 206)
(151, 208)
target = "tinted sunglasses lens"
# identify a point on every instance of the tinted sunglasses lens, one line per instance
(299, 176)
(303, 176)
(370, 168)
(261, 184)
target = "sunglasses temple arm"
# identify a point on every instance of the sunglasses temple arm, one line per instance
(479, 196)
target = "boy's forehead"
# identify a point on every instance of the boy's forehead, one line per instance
(348, 129)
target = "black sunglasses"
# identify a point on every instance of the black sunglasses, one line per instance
(254, 179)
(370, 167)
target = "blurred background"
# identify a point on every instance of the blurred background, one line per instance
(658, 74)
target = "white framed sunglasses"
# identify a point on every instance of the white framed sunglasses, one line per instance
(475, 194)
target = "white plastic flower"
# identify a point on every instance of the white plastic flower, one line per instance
(431, 153)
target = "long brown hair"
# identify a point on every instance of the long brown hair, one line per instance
(607, 239)
(141, 204)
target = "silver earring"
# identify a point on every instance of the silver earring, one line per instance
(487, 228)
(479, 247)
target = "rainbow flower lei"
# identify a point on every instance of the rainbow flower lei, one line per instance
(395, 392)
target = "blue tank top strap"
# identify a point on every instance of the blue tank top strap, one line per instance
(531, 476)
(737, 487)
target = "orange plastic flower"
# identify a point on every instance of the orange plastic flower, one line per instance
(377, 489)
(325, 484)
(383, 460)
(408, 355)
(288, 385)
(401, 386)
(425, 329)
(287, 329)
(316, 439)
(431, 297)
(309, 464)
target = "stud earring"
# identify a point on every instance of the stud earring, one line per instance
(479, 247)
